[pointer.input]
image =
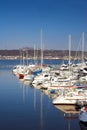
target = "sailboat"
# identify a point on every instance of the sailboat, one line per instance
(66, 79)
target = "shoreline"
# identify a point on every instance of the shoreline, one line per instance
(39, 58)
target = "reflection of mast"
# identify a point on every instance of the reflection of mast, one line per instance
(41, 110)
(68, 124)
(34, 99)
(23, 91)
(69, 117)
(68, 120)
(26, 88)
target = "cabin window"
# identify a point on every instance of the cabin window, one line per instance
(46, 76)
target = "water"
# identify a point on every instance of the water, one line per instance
(23, 107)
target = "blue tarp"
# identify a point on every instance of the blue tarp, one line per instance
(36, 72)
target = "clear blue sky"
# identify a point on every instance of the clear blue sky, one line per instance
(21, 22)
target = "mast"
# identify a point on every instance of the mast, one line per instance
(83, 47)
(27, 56)
(69, 54)
(34, 54)
(23, 57)
(69, 49)
(20, 57)
(41, 50)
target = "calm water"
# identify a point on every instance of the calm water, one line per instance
(23, 107)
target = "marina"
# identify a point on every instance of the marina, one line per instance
(24, 106)
(43, 65)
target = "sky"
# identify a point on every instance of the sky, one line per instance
(22, 21)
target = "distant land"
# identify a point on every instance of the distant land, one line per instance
(30, 53)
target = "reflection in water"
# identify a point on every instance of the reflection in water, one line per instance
(49, 93)
(69, 112)
(83, 125)
(23, 89)
(19, 115)
(34, 99)
(24, 86)
(41, 109)
(83, 118)
(68, 109)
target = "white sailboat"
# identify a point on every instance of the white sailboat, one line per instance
(66, 78)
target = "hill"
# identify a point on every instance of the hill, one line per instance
(48, 54)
